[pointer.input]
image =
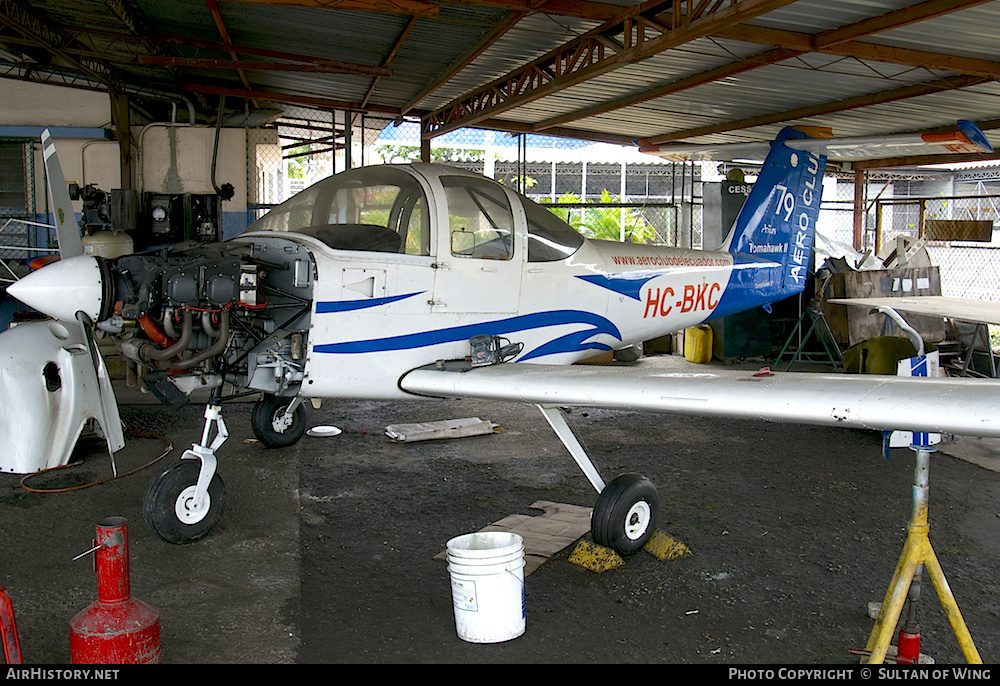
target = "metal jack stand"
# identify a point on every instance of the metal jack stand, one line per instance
(916, 551)
(819, 326)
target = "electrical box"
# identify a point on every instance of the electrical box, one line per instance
(179, 217)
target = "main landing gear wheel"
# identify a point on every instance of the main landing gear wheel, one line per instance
(625, 514)
(170, 508)
(270, 425)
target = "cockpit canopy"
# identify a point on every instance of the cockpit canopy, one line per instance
(385, 209)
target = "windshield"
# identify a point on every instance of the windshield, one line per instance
(549, 237)
(382, 209)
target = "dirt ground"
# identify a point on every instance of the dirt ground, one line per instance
(325, 552)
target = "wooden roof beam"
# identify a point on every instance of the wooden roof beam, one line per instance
(414, 7)
(861, 50)
(580, 9)
(273, 96)
(857, 102)
(746, 64)
(790, 44)
(392, 53)
(893, 20)
(346, 67)
(220, 25)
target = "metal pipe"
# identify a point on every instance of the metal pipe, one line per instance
(154, 355)
(212, 350)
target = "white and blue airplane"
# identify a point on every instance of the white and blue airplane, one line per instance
(422, 280)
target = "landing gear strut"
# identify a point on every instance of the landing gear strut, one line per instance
(278, 422)
(185, 501)
(624, 517)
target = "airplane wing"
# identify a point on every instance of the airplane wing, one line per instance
(963, 309)
(967, 138)
(969, 407)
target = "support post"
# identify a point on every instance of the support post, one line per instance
(859, 209)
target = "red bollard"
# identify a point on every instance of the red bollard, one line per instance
(115, 629)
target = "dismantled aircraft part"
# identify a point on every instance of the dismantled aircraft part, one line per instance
(172, 509)
(625, 514)
(48, 369)
(174, 391)
(278, 422)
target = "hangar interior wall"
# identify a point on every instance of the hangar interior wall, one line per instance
(169, 158)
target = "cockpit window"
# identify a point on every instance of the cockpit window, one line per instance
(480, 219)
(549, 238)
(381, 209)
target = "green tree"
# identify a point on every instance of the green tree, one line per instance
(605, 223)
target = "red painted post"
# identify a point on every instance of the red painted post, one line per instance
(116, 629)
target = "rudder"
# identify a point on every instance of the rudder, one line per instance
(778, 219)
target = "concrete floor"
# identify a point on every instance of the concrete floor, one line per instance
(324, 552)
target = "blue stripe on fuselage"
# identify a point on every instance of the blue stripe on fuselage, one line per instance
(628, 284)
(350, 305)
(573, 342)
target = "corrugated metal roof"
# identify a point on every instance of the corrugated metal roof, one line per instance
(813, 87)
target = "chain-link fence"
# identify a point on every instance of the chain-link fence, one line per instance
(605, 191)
(19, 233)
(960, 239)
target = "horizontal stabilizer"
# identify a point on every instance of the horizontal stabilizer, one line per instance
(966, 138)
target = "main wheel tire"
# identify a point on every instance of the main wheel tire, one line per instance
(625, 514)
(168, 505)
(268, 427)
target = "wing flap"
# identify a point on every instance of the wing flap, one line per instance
(968, 407)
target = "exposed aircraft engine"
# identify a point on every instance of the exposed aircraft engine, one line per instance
(220, 312)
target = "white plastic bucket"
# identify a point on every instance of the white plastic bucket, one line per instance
(487, 586)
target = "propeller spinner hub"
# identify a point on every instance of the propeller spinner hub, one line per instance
(63, 288)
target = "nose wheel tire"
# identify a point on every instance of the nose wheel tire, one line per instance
(625, 514)
(170, 508)
(270, 425)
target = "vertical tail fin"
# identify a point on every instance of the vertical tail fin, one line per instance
(778, 219)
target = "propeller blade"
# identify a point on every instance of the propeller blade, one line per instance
(67, 228)
(110, 419)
